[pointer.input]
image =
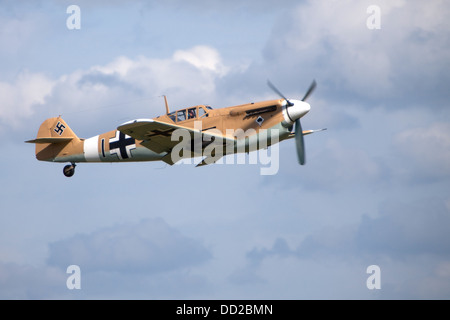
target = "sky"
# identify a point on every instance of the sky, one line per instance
(374, 190)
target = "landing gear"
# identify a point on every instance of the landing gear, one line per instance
(69, 170)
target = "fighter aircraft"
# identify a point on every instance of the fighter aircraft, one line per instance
(205, 132)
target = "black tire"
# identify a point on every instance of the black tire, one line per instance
(69, 170)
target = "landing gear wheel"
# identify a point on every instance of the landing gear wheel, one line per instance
(69, 170)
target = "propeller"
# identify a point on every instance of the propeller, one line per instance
(272, 86)
(310, 90)
(299, 141)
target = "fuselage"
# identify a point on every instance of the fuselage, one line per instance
(198, 131)
(243, 123)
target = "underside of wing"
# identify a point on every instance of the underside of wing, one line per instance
(162, 137)
(154, 135)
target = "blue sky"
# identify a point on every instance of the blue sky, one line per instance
(374, 191)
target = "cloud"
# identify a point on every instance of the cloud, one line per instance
(318, 239)
(202, 57)
(19, 25)
(279, 248)
(29, 282)
(332, 165)
(148, 247)
(425, 151)
(347, 166)
(410, 243)
(21, 98)
(121, 82)
(194, 69)
(405, 60)
(419, 228)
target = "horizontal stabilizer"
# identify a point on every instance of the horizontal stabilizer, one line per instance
(50, 140)
(312, 131)
(306, 132)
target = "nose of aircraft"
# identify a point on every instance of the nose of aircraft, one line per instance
(296, 111)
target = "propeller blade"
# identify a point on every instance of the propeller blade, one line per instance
(272, 86)
(299, 142)
(310, 90)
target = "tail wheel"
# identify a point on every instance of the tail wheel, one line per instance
(69, 170)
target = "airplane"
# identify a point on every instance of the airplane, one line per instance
(203, 128)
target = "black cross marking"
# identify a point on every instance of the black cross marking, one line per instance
(59, 128)
(103, 148)
(166, 133)
(121, 144)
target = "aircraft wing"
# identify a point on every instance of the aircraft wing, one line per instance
(157, 136)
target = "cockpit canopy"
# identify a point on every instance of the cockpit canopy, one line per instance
(189, 113)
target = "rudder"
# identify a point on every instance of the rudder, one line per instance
(55, 139)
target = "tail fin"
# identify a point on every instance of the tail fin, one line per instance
(55, 139)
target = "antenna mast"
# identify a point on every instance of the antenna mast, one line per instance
(167, 105)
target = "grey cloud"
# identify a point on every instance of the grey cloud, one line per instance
(420, 227)
(112, 81)
(279, 248)
(30, 282)
(176, 284)
(343, 165)
(121, 86)
(332, 166)
(354, 64)
(424, 152)
(150, 246)
(409, 242)
(329, 242)
(247, 275)
(233, 6)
